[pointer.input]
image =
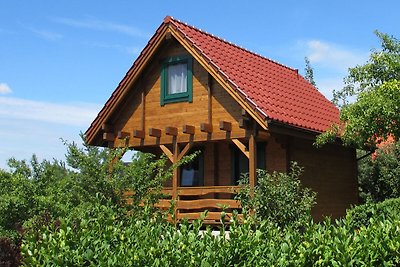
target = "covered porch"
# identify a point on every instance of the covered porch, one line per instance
(210, 181)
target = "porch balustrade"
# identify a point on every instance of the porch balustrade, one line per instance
(192, 201)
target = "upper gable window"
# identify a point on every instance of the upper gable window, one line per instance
(176, 80)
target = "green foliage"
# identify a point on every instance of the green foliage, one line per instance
(309, 72)
(278, 197)
(379, 176)
(375, 115)
(102, 237)
(383, 66)
(361, 215)
(65, 225)
(32, 189)
(16, 200)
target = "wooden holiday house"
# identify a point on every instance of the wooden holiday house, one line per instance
(189, 90)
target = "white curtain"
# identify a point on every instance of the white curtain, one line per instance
(177, 78)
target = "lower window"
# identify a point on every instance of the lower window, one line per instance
(240, 163)
(192, 173)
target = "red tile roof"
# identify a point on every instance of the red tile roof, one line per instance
(276, 92)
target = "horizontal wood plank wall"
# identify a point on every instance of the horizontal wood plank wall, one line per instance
(224, 163)
(330, 171)
(209, 164)
(276, 157)
(128, 118)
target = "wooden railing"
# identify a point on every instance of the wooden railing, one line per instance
(191, 202)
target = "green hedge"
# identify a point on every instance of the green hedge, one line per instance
(111, 240)
(360, 215)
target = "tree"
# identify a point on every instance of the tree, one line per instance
(379, 177)
(309, 72)
(375, 86)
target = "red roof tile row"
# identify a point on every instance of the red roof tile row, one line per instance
(278, 91)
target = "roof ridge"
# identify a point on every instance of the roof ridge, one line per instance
(170, 19)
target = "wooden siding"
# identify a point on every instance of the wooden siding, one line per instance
(330, 171)
(277, 154)
(130, 114)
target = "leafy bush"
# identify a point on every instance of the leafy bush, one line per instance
(379, 178)
(278, 197)
(72, 218)
(102, 237)
(360, 215)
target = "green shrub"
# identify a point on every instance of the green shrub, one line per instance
(278, 197)
(360, 215)
(102, 237)
(379, 177)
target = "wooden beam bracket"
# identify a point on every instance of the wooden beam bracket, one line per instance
(242, 147)
(225, 126)
(171, 131)
(206, 127)
(184, 151)
(123, 135)
(155, 132)
(168, 152)
(188, 129)
(244, 123)
(108, 137)
(138, 134)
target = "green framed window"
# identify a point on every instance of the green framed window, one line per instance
(176, 80)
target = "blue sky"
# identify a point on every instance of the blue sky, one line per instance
(61, 60)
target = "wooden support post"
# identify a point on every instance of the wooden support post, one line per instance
(252, 161)
(114, 161)
(175, 177)
(188, 129)
(225, 126)
(155, 132)
(206, 127)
